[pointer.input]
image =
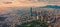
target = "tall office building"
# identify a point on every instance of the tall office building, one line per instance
(31, 11)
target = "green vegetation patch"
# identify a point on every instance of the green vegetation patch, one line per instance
(35, 24)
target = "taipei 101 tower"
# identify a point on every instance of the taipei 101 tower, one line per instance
(31, 11)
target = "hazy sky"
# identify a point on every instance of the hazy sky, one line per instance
(13, 3)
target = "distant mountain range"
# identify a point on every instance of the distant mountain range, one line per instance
(51, 6)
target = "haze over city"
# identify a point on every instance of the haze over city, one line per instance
(13, 3)
(29, 13)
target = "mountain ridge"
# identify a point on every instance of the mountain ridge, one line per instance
(51, 6)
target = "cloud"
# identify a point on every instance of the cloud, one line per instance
(55, 2)
(10, 3)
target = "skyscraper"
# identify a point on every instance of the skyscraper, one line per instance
(31, 11)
